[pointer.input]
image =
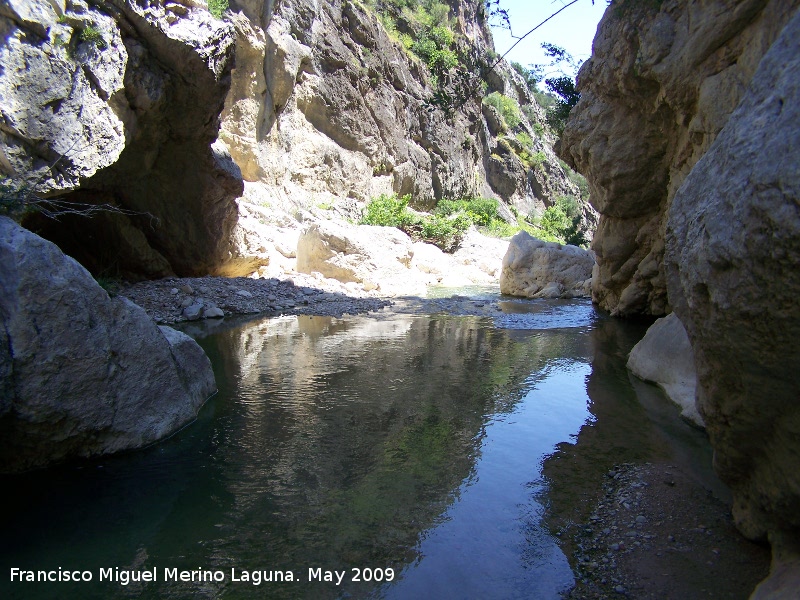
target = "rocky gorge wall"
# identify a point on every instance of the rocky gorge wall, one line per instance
(118, 103)
(121, 103)
(663, 80)
(687, 130)
(327, 106)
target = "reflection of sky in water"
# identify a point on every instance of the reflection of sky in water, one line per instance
(491, 542)
(544, 314)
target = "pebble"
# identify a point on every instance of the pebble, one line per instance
(244, 294)
(619, 589)
(193, 312)
(641, 519)
(187, 289)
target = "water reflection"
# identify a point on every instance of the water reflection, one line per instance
(408, 442)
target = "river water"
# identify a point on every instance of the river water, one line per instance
(417, 449)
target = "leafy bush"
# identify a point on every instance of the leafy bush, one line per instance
(445, 231)
(524, 139)
(507, 107)
(538, 159)
(562, 220)
(93, 36)
(481, 211)
(389, 211)
(217, 7)
(568, 96)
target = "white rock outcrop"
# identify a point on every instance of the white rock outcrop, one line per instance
(82, 373)
(664, 356)
(379, 258)
(536, 269)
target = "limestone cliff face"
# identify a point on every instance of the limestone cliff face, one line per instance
(326, 107)
(732, 256)
(687, 130)
(118, 102)
(662, 82)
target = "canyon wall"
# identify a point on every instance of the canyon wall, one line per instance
(118, 103)
(327, 107)
(663, 80)
(688, 132)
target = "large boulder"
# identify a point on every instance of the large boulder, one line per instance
(664, 356)
(536, 269)
(663, 79)
(732, 256)
(379, 258)
(81, 373)
(118, 103)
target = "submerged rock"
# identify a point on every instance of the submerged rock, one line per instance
(82, 373)
(536, 269)
(664, 356)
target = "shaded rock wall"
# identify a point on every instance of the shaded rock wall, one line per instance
(81, 373)
(661, 84)
(117, 102)
(732, 256)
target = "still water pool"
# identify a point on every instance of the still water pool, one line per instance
(403, 447)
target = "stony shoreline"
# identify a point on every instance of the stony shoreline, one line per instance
(174, 300)
(658, 533)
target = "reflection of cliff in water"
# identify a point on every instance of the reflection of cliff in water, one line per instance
(633, 422)
(332, 443)
(357, 433)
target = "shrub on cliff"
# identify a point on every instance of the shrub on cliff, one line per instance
(507, 107)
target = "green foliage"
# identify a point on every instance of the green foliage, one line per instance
(568, 96)
(562, 220)
(217, 7)
(507, 107)
(445, 231)
(93, 36)
(524, 139)
(388, 211)
(538, 159)
(481, 211)
(544, 99)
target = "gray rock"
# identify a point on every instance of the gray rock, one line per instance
(213, 312)
(536, 269)
(193, 312)
(645, 117)
(732, 256)
(89, 374)
(665, 357)
(132, 123)
(244, 294)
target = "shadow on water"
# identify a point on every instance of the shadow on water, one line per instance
(406, 442)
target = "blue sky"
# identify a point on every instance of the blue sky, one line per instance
(573, 29)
